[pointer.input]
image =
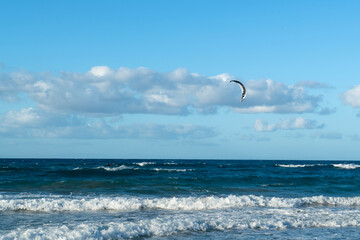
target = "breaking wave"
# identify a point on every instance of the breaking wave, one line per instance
(170, 224)
(119, 168)
(347, 166)
(339, 165)
(295, 165)
(142, 164)
(124, 167)
(84, 204)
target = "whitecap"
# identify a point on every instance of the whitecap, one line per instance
(298, 165)
(119, 168)
(142, 164)
(347, 166)
(171, 169)
(171, 163)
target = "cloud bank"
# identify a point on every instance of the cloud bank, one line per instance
(79, 105)
(106, 91)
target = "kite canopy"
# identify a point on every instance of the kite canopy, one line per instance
(242, 89)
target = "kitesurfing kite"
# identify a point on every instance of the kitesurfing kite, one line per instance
(242, 89)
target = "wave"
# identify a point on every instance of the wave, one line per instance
(298, 165)
(124, 167)
(347, 166)
(171, 224)
(339, 165)
(87, 204)
(171, 169)
(142, 164)
(119, 168)
(171, 163)
(107, 168)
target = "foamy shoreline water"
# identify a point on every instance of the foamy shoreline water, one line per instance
(178, 199)
(159, 224)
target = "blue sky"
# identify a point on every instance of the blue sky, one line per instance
(150, 79)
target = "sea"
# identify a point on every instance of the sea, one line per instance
(178, 199)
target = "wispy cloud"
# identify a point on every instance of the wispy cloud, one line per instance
(251, 137)
(312, 84)
(327, 111)
(287, 124)
(331, 135)
(37, 123)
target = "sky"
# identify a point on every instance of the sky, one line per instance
(150, 79)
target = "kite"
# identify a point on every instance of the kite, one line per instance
(242, 89)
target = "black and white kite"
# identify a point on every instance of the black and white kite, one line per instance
(242, 89)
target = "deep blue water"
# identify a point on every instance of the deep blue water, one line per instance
(178, 199)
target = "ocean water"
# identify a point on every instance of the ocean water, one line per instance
(178, 199)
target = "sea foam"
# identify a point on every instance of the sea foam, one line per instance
(347, 166)
(298, 165)
(86, 204)
(142, 164)
(119, 168)
(170, 224)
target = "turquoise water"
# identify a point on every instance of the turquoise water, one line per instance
(178, 199)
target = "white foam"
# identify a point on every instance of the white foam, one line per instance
(347, 166)
(87, 204)
(107, 168)
(171, 169)
(297, 165)
(119, 168)
(142, 164)
(170, 224)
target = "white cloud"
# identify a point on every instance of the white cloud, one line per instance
(105, 91)
(23, 118)
(32, 122)
(263, 126)
(66, 101)
(101, 71)
(287, 124)
(352, 97)
(225, 77)
(273, 97)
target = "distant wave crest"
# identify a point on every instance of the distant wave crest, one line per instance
(296, 165)
(124, 167)
(347, 166)
(142, 164)
(119, 168)
(340, 165)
